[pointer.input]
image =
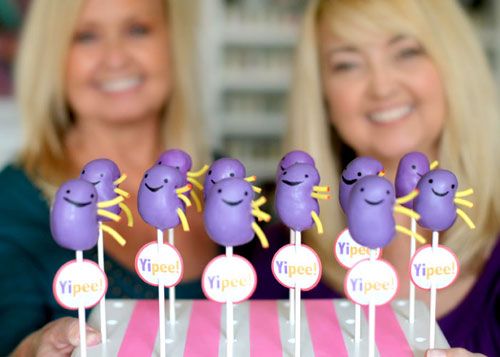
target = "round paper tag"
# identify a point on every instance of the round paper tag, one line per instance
(152, 264)
(296, 267)
(440, 266)
(229, 279)
(79, 284)
(371, 281)
(348, 252)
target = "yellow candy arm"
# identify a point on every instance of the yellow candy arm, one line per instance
(464, 193)
(259, 202)
(408, 197)
(466, 218)
(461, 201)
(317, 221)
(121, 192)
(260, 235)
(107, 214)
(321, 188)
(320, 196)
(252, 178)
(184, 189)
(381, 173)
(199, 172)
(406, 231)
(261, 215)
(195, 183)
(182, 217)
(184, 199)
(119, 180)
(197, 201)
(130, 218)
(407, 212)
(433, 165)
(114, 234)
(110, 203)
(256, 189)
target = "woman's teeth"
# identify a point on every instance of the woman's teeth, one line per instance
(391, 115)
(119, 85)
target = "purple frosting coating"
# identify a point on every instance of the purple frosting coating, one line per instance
(293, 157)
(157, 200)
(435, 202)
(228, 212)
(102, 173)
(221, 169)
(370, 212)
(411, 168)
(73, 216)
(294, 203)
(178, 159)
(359, 167)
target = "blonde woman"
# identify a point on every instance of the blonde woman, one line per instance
(95, 79)
(383, 78)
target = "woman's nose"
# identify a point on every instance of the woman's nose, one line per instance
(115, 54)
(382, 81)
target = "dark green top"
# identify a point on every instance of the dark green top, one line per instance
(30, 258)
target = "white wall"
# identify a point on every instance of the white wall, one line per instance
(10, 129)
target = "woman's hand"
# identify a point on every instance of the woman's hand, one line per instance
(57, 338)
(452, 352)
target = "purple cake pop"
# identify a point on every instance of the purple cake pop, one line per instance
(369, 212)
(291, 158)
(103, 173)
(411, 168)
(435, 202)
(73, 217)
(294, 202)
(178, 159)
(157, 200)
(355, 170)
(221, 169)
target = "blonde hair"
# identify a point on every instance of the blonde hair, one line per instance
(467, 148)
(41, 94)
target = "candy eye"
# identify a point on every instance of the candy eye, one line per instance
(146, 176)
(177, 167)
(102, 175)
(246, 193)
(219, 190)
(209, 172)
(362, 189)
(68, 191)
(431, 180)
(159, 162)
(453, 186)
(92, 195)
(83, 172)
(388, 192)
(165, 180)
(284, 173)
(413, 167)
(306, 176)
(231, 174)
(359, 174)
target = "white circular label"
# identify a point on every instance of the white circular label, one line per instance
(79, 284)
(348, 252)
(371, 281)
(297, 267)
(154, 262)
(439, 265)
(229, 279)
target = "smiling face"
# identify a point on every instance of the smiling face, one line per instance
(222, 169)
(372, 192)
(77, 194)
(411, 168)
(291, 158)
(438, 184)
(161, 178)
(233, 192)
(177, 159)
(100, 171)
(384, 93)
(300, 176)
(118, 66)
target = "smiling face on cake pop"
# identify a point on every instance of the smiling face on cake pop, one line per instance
(73, 218)
(291, 158)
(355, 170)
(300, 176)
(100, 172)
(176, 158)
(411, 168)
(435, 202)
(370, 212)
(222, 169)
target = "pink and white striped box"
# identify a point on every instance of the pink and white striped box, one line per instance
(261, 329)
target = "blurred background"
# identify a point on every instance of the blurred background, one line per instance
(245, 58)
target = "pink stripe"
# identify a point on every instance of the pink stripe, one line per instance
(203, 333)
(139, 339)
(326, 334)
(264, 329)
(389, 337)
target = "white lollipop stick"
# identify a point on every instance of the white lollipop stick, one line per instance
(411, 312)
(81, 316)
(298, 239)
(229, 317)
(171, 290)
(161, 298)
(291, 294)
(371, 317)
(102, 303)
(357, 323)
(432, 317)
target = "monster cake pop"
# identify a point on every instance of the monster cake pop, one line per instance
(437, 205)
(161, 203)
(229, 218)
(74, 223)
(291, 158)
(181, 160)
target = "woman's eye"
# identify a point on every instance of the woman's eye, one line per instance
(410, 52)
(344, 66)
(85, 36)
(138, 30)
